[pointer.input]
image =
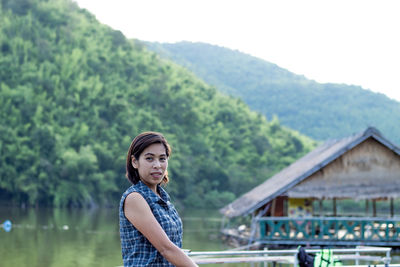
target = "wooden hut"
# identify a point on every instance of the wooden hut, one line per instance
(363, 167)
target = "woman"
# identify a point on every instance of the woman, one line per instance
(150, 227)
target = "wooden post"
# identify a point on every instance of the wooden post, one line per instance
(273, 207)
(391, 208)
(334, 207)
(374, 208)
(320, 207)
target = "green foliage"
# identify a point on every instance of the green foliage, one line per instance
(73, 94)
(321, 111)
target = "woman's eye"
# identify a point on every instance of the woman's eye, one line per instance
(163, 159)
(149, 159)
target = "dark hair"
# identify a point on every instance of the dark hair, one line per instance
(139, 144)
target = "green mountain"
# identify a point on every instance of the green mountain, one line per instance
(321, 111)
(73, 94)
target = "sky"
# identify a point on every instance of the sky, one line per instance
(355, 42)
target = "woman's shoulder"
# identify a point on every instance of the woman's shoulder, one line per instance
(141, 189)
(135, 200)
(128, 191)
(138, 187)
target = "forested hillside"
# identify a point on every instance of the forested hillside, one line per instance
(73, 94)
(321, 111)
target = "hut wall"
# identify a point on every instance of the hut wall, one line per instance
(279, 209)
(369, 170)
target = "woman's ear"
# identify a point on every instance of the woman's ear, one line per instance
(134, 162)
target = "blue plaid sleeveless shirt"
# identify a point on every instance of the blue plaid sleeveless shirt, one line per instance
(136, 249)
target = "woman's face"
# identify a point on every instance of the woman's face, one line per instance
(152, 165)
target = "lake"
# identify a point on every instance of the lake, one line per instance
(85, 238)
(80, 237)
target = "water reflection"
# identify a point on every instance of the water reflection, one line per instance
(60, 237)
(80, 237)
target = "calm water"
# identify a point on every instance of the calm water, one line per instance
(79, 237)
(86, 238)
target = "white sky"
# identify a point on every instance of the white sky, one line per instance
(340, 41)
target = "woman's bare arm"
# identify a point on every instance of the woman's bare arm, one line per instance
(139, 214)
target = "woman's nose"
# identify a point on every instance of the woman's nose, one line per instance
(156, 163)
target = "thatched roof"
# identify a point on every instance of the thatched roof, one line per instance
(300, 170)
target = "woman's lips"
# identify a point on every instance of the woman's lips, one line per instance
(156, 174)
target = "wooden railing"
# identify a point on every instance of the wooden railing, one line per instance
(378, 256)
(330, 230)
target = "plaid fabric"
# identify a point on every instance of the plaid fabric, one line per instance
(136, 249)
